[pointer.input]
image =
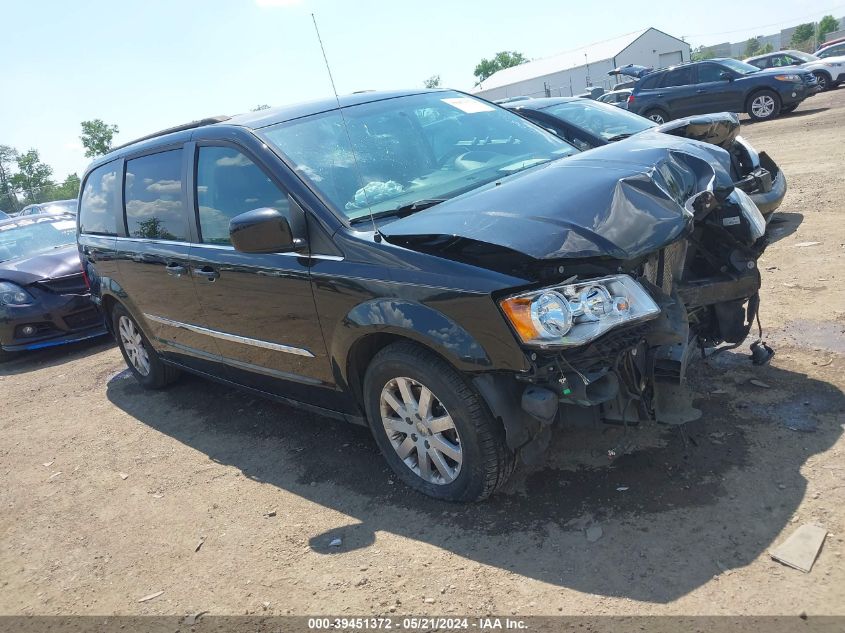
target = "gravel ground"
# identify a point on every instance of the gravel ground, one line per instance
(227, 503)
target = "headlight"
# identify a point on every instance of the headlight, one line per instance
(788, 78)
(13, 295)
(750, 212)
(575, 314)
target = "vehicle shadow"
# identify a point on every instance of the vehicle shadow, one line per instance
(24, 362)
(783, 224)
(675, 509)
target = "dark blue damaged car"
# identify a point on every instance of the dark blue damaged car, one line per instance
(427, 264)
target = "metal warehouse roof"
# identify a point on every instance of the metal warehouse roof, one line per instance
(562, 61)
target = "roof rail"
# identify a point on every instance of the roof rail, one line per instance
(178, 128)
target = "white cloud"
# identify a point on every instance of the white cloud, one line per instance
(265, 4)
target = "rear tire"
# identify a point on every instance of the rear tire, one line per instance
(657, 115)
(764, 105)
(417, 404)
(143, 361)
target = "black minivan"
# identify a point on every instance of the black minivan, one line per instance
(428, 264)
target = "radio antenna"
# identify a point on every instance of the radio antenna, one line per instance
(376, 234)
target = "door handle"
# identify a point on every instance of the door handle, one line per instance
(206, 272)
(175, 270)
(700, 90)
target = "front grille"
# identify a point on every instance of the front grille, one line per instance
(69, 285)
(665, 267)
(85, 318)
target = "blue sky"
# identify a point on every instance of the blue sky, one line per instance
(146, 65)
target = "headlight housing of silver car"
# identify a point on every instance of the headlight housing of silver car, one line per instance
(750, 212)
(575, 314)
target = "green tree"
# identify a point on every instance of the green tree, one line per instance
(827, 24)
(802, 35)
(752, 46)
(97, 137)
(8, 199)
(502, 60)
(701, 53)
(67, 190)
(153, 228)
(432, 82)
(261, 106)
(768, 48)
(33, 177)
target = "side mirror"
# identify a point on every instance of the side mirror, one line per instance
(726, 76)
(263, 230)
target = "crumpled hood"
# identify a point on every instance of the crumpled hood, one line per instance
(622, 201)
(56, 263)
(720, 128)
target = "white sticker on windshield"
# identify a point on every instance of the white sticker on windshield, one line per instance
(470, 106)
(64, 225)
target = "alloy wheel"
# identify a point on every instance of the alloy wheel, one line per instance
(822, 79)
(421, 430)
(763, 106)
(657, 118)
(133, 345)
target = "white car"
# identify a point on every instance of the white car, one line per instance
(830, 71)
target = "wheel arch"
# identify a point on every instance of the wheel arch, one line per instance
(373, 325)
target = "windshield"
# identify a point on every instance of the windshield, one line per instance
(602, 120)
(804, 56)
(425, 147)
(28, 237)
(739, 67)
(59, 206)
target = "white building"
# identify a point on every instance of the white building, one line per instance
(571, 72)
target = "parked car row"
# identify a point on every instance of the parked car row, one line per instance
(434, 266)
(589, 124)
(829, 72)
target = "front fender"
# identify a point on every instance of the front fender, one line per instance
(413, 321)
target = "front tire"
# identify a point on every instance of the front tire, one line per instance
(825, 82)
(764, 105)
(142, 360)
(657, 115)
(432, 427)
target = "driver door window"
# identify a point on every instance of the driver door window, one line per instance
(228, 184)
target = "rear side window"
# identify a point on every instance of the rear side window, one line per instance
(678, 77)
(98, 210)
(155, 208)
(228, 184)
(649, 83)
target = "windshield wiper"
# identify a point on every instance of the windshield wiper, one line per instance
(402, 211)
(619, 137)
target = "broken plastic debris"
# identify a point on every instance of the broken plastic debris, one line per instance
(151, 596)
(800, 550)
(335, 542)
(124, 476)
(759, 383)
(806, 244)
(622, 488)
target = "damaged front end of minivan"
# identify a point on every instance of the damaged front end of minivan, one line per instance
(634, 264)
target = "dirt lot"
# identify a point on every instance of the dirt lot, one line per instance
(106, 490)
